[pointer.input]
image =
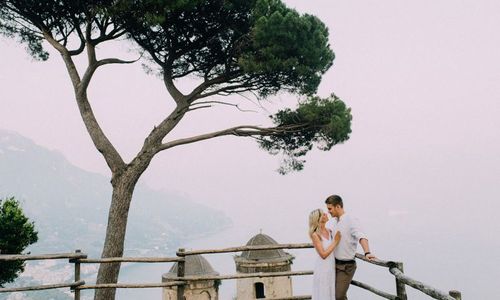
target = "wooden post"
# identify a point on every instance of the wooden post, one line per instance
(400, 286)
(180, 273)
(456, 294)
(77, 276)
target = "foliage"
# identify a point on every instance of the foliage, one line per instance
(16, 233)
(65, 20)
(325, 122)
(28, 20)
(235, 45)
(238, 46)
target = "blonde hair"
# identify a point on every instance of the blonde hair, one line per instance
(314, 218)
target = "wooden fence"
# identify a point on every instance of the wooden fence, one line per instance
(78, 258)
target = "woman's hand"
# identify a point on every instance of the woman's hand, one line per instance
(337, 237)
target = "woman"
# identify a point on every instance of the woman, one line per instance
(324, 268)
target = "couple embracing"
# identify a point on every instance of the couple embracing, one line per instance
(335, 242)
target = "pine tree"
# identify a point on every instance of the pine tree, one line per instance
(16, 233)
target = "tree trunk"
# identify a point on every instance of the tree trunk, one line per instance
(123, 188)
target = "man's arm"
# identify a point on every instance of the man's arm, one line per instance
(359, 234)
(366, 248)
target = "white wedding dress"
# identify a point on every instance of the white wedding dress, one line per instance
(324, 274)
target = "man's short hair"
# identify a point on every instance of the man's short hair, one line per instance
(334, 200)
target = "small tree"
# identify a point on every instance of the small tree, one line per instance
(16, 233)
(255, 48)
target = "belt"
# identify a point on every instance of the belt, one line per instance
(344, 262)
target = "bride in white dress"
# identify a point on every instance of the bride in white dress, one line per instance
(324, 267)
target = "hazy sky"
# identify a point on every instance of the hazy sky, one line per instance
(422, 79)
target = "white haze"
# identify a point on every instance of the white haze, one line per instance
(422, 167)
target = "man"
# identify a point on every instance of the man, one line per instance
(345, 264)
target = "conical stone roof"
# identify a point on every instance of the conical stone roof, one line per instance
(195, 265)
(274, 255)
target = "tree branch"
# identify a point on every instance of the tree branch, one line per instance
(227, 90)
(171, 88)
(199, 107)
(91, 68)
(113, 34)
(208, 83)
(244, 130)
(181, 75)
(100, 140)
(94, 64)
(80, 36)
(27, 27)
(219, 102)
(156, 136)
(70, 65)
(108, 61)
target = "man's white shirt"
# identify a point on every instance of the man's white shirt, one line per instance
(351, 232)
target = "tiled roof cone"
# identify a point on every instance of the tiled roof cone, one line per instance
(195, 265)
(273, 255)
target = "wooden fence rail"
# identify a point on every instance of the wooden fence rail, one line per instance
(130, 259)
(245, 248)
(129, 285)
(293, 298)
(374, 290)
(43, 287)
(245, 275)
(434, 293)
(78, 258)
(7, 257)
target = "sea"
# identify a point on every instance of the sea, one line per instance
(445, 255)
(435, 258)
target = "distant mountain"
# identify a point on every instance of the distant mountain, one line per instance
(70, 205)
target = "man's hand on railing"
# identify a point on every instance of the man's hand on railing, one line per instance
(370, 256)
